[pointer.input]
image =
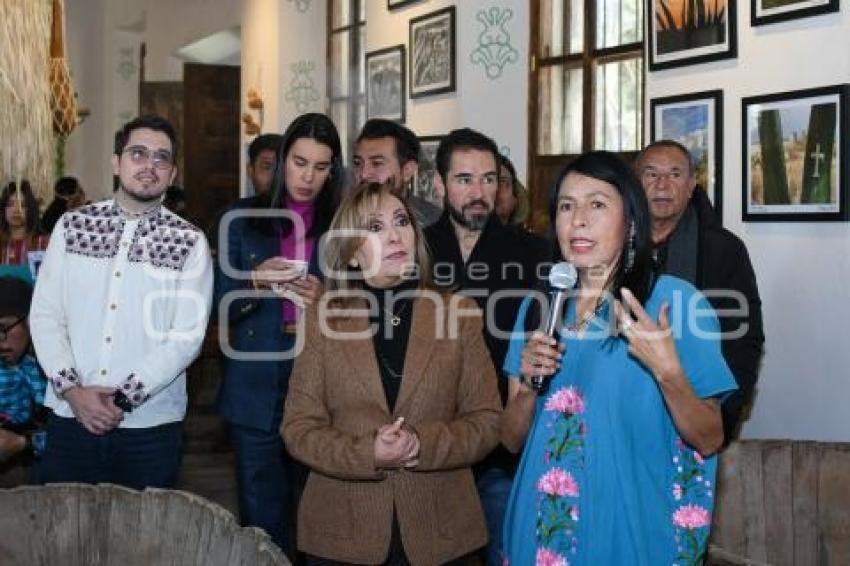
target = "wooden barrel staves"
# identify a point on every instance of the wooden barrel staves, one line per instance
(782, 502)
(83, 525)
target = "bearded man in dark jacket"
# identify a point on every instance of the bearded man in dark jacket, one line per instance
(690, 243)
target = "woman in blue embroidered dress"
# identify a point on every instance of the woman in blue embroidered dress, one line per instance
(617, 466)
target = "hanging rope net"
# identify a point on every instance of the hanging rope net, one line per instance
(26, 131)
(62, 100)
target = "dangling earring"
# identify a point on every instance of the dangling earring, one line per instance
(630, 248)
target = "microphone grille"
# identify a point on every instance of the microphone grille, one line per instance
(563, 275)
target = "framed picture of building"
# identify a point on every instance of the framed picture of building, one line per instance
(795, 155)
(686, 32)
(385, 92)
(432, 53)
(695, 120)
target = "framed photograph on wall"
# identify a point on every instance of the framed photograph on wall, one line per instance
(396, 4)
(795, 155)
(695, 120)
(432, 53)
(772, 11)
(423, 186)
(385, 92)
(686, 32)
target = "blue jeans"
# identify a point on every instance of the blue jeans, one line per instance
(268, 481)
(133, 457)
(494, 488)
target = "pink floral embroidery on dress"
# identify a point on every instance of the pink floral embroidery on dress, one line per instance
(566, 400)
(558, 509)
(546, 557)
(691, 517)
(693, 499)
(558, 483)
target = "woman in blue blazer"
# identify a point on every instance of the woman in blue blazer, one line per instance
(262, 284)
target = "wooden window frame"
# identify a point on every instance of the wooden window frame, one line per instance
(588, 59)
(353, 99)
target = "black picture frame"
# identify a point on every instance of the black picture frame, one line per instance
(386, 94)
(432, 65)
(761, 15)
(423, 185)
(781, 157)
(398, 4)
(696, 121)
(672, 43)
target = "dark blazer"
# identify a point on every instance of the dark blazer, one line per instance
(335, 404)
(252, 390)
(723, 263)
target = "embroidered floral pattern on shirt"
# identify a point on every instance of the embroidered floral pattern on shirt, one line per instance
(134, 389)
(558, 490)
(93, 230)
(64, 380)
(693, 498)
(163, 240)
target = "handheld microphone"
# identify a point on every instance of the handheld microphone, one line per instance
(562, 278)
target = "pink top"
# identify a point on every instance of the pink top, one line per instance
(289, 247)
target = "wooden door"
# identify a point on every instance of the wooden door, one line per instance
(165, 99)
(211, 140)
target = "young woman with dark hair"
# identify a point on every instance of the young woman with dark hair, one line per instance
(617, 465)
(265, 245)
(19, 232)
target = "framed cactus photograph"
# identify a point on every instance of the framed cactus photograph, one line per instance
(695, 120)
(772, 11)
(795, 155)
(687, 32)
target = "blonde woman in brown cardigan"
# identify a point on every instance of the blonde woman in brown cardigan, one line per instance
(391, 405)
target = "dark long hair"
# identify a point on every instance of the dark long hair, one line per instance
(610, 168)
(24, 193)
(317, 127)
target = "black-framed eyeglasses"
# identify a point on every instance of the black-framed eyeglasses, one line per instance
(5, 328)
(140, 155)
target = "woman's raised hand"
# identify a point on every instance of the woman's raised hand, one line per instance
(650, 341)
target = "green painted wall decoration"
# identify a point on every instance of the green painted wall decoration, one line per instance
(494, 49)
(302, 91)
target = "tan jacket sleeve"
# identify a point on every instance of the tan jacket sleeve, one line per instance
(474, 432)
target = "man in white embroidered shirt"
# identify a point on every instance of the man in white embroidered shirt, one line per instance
(119, 311)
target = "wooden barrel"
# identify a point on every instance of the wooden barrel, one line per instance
(83, 525)
(782, 502)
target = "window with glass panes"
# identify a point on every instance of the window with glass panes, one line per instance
(586, 87)
(347, 70)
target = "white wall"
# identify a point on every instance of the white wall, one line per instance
(284, 59)
(803, 269)
(496, 106)
(85, 50)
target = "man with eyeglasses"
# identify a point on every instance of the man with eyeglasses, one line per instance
(475, 254)
(22, 384)
(690, 243)
(119, 312)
